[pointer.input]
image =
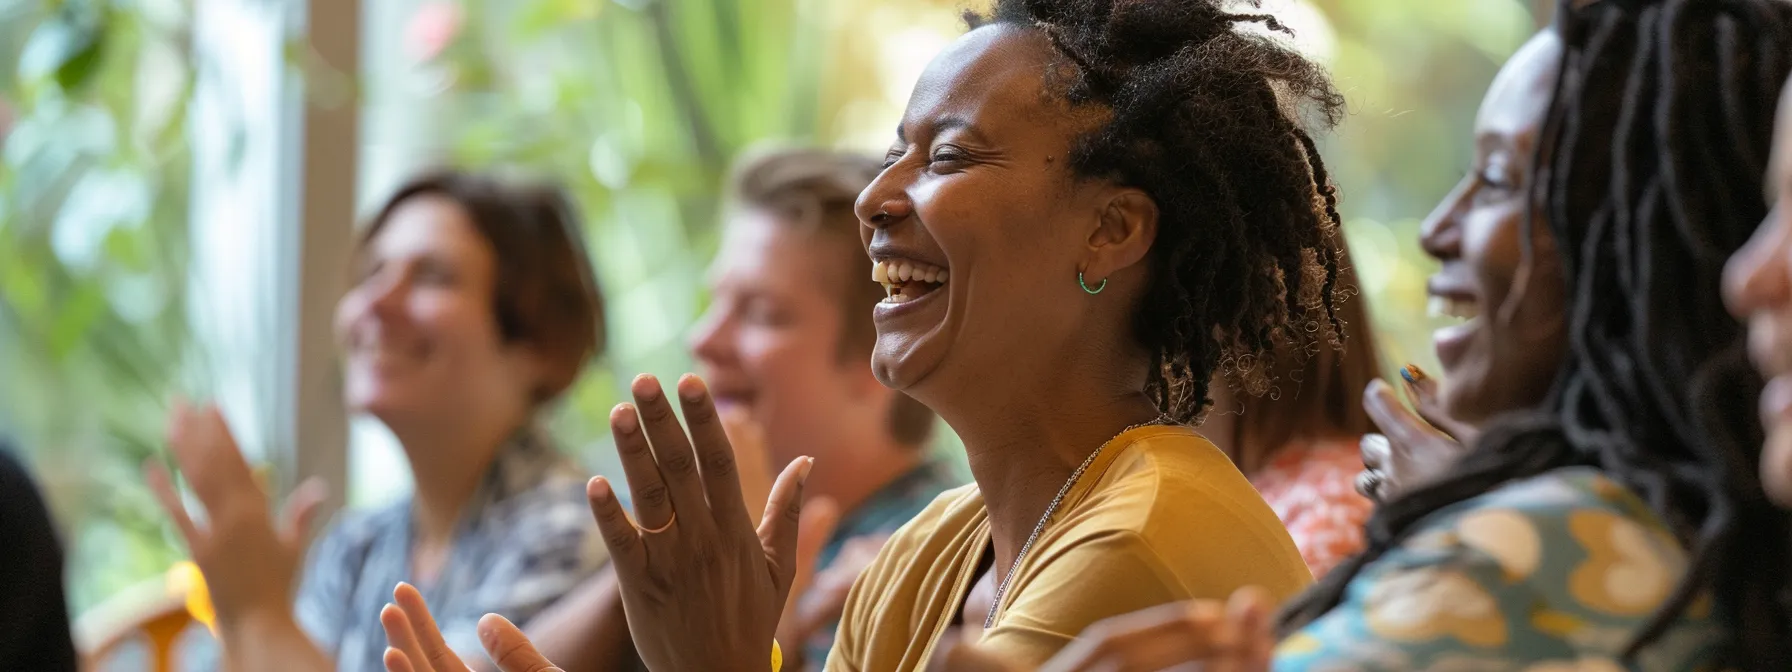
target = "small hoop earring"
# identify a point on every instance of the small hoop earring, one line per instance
(1085, 285)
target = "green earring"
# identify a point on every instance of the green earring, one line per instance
(1085, 285)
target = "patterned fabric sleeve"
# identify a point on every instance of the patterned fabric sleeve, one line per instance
(1312, 488)
(549, 546)
(1554, 573)
(322, 604)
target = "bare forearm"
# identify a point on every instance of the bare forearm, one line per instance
(585, 631)
(270, 642)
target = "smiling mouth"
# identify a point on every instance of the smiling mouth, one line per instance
(1459, 307)
(905, 280)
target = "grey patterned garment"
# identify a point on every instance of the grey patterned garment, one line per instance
(525, 540)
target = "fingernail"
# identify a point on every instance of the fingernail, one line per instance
(1412, 373)
(690, 387)
(646, 387)
(623, 419)
(802, 471)
(598, 488)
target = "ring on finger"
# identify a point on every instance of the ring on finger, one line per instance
(662, 528)
(1368, 482)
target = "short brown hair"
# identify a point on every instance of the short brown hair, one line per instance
(813, 191)
(544, 292)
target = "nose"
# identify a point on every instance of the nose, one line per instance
(386, 292)
(1441, 235)
(1756, 276)
(885, 201)
(709, 338)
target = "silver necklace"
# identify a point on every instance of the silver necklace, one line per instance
(1002, 588)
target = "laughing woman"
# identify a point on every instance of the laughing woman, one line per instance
(1091, 207)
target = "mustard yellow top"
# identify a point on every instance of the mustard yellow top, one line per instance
(1161, 515)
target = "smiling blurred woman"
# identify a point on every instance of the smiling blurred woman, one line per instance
(474, 306)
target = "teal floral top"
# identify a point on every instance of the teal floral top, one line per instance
(1554, 573)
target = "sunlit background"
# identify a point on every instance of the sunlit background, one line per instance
(165, 208)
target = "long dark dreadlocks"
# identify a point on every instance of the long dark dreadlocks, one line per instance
(1649, 170)
(1212, 122)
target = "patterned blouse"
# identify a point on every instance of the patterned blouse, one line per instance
(1312, 488)
(525, 539)
(1548, 574)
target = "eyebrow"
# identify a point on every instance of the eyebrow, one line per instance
(941, 125)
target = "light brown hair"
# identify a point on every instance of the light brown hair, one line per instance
(545, 292)
(812, 191)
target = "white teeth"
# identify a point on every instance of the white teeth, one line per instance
(1445, 306)
(891, 273)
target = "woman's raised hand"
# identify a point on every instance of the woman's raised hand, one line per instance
(701, 587)
(1414, 446)
(249, 564)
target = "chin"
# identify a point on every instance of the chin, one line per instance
(902, 363)
(1465, 398)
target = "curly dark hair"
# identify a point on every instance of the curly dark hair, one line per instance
(1649, 165)
(1215, 123)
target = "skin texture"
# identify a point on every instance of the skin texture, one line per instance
(1758, 289)
(1507, 356)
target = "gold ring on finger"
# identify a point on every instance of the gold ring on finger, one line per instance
(662, 528)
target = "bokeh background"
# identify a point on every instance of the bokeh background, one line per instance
(143, 199)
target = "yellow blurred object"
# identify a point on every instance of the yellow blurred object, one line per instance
(777, 657)
(184, 578)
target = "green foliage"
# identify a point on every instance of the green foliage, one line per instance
(637, 108)
(92, 265)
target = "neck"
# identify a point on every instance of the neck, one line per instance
(448, 458)
(1222, 424)
(1023, 451)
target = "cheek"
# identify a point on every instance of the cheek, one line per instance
(1492, 241)
(456, 326)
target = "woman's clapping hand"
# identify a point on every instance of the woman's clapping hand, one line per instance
(702, 588)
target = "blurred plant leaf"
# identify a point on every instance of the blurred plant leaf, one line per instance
(67, 47)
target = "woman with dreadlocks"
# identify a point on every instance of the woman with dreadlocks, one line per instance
(1603, 528)
(1089, 207)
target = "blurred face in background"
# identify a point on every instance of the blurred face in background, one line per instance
(771, 342)
(419, 329)
(1758, 288)
(1506, 351)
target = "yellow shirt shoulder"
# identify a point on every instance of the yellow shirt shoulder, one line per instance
(1161, 515)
